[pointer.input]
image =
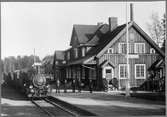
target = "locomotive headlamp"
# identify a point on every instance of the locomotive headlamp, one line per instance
(30, 86)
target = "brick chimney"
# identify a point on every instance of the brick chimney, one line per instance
(131, 12)
(112, 23)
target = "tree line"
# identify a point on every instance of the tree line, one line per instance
(10, 64)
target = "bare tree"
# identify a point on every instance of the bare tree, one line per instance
(157, 28)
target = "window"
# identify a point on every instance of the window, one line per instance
(110, 50)
(139, 47)
(83, 51)
(140, 71)
(108, 70)
(152, 50)
(76, 52)
(122, 71)
(68, 55)
(122, 48)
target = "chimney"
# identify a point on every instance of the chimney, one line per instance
(131, 12)
(112, 23)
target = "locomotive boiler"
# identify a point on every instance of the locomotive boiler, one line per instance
(38, 84)
(32, 82)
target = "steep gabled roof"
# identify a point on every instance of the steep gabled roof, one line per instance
(84, 32)
(104, 39)
(111, 37)
(48, 60)
(157, 64)
(149, 40)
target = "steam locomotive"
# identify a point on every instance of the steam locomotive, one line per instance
(32, 82)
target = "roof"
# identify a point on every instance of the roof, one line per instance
(84, 32)
(59, 55)
(157, 64)
(37, 64)
(104, 39)
(79, 61)
(48, 60)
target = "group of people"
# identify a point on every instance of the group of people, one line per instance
(75, 84)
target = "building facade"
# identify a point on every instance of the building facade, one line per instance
(98, 55)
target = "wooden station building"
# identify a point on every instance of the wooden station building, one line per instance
(98, 55)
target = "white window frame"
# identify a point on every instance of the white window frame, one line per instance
(144, 71)
(83, 51)
(110, 51)
(120, 65)
(104, 71)
(136, 48)
(120, 48)
(152, 50)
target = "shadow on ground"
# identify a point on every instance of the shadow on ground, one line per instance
(8, 92)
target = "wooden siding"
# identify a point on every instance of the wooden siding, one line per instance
(116, 58)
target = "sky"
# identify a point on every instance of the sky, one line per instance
(48, 26)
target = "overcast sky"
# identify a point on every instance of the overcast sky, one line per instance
(48, 26)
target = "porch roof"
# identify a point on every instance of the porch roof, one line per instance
(86, 60)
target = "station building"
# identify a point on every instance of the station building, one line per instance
(98, 55)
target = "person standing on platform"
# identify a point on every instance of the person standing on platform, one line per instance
(73, 85)
(58, 86)
(79, 85)
(90, 85)
(65, 88)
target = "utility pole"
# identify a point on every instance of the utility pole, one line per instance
(127, 54)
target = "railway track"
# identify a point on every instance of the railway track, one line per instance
(52, 109)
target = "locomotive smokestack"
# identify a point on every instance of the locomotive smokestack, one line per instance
(131, 12)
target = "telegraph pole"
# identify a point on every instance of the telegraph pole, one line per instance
(127, 54)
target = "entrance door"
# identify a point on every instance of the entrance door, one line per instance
(108, 75)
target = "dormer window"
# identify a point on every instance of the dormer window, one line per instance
(152, 50)
(83, 51)
(110, 51)
(76, 52)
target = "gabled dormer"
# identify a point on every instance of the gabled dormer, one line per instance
(74, 39)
